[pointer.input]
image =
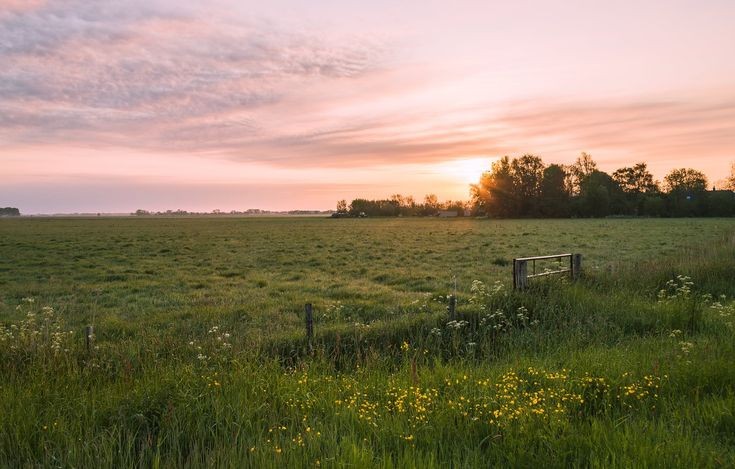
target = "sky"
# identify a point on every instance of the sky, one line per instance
(111, 106)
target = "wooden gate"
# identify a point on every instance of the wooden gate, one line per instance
(571, 263)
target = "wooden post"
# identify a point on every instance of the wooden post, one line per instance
(309, 325)
(520, 274)
(88, 337)
(452, 307)
(576, 266)
(571, 267)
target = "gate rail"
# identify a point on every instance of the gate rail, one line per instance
(521, 274)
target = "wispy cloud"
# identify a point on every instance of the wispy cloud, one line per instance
(144, 73)
(636, 129)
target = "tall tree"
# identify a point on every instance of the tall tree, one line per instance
(431, 205)
(687, 192)
(527, 172)
(409, 206)
(730, 181)
(635, 180)
(398, 199)
(684, 180)
(494, 194)
(554, 200)
(600, 196)
(581, 170)
(637, 183)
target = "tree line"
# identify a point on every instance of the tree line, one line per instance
(9, 212)
(398, 205)
(527, 187)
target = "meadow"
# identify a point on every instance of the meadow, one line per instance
(199, 357)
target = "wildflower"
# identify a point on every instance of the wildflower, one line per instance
(457, 325)
(686, 347)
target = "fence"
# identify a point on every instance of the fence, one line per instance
(521, 268)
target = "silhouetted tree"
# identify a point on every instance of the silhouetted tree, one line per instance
(720, 203)
(635, 182)
(431, 205)
(410, 207)
(687, 192)
(579, 171)
(398, 199)
(685, 180)
(600, 196)
(554, 201)
(494, 194)
(527, 172)
(730, 181)
(376, 208)
(654, 206)
(9, 212)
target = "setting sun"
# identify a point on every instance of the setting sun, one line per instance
(468, 170)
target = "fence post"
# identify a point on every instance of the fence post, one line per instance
(452, 307)
(88, 338)
(309, 325)
(576, 266)
(520, 274)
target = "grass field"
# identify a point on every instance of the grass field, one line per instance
(255, 274)
(199, 358)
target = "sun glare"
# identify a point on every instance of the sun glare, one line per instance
(466, 170)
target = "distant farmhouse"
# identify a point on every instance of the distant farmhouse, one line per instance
(447, 214)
